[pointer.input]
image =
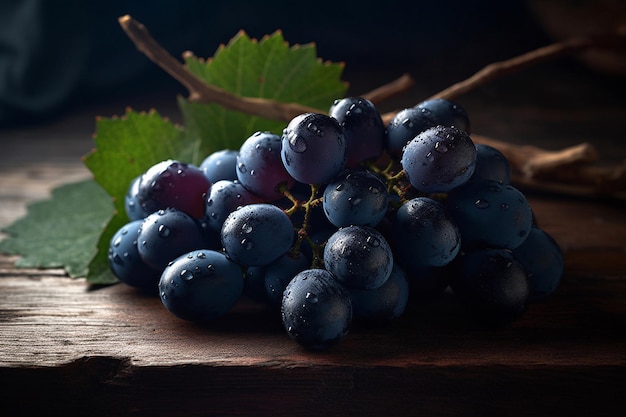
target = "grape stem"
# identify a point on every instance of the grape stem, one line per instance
(531, 169)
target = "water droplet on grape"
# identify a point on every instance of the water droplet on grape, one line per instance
(201, 255)
(186, 275)
(441, 147)
(210, 268)
(481, 203)
(247, 244)
(246, 228)
(373, 241)
(209, 202)
(354, 200)
(311, 298)
(430, 157)
(118, 241)
(242, 168)
(117, 259)
(315, 129)
(504, 206)
(340, 187)
(164, 231)
(297, 144)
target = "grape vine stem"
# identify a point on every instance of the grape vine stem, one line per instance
(532, 166)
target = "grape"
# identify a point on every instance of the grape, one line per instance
(404, 126)
(491, 164)
(167, 234)
(359, 257)
(220, 165)
(173, 184)
(223, 198)
(125, 261)
(316, 309)
(445, 112)
(260, 168)
(541, 258)
(133, 209)
(424, 235)
(279, 273)
(363, 127)
(201, 285)
(439, 159)
(314, 148)
(385, 303)
(355, 198)
(490, 214)
(491, 285)
(257, 234)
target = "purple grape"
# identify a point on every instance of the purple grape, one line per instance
(314, 148)
(223, 198)
(260, 168)
(439, 159)
(363, 127)
(404, 126)
(173, 184)
(491, 164)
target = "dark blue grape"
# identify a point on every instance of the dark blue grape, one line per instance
(316, 309)
(133, 209)
(491, 285)
(254, 284)
(445, 112)
(167, 234)
(257, 234)
(220, 165)
(260, 168)
(279, 273)
(363, 127)
(125, 262)
(424, 235)
(201, 285)
(404, 126)
(314, 148)
(173, 184)
(355, 198)
(491, 164)
(359, 257)
(490, 214)
(439, 159)
(223, 198)
(385, 303)
(542, 260)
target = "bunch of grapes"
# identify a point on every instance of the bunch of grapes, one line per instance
(339, 218)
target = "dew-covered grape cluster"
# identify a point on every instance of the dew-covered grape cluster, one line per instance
(339, 218)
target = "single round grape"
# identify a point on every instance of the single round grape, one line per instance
(439, 159)
(173, 184)
(491, 285)
(363, 127)
(220, 165)
(385, 303)
(279, 273)
(491, 164)
(445, 112)
(257, 234)
(404, 126)
(314, 148)
(542, 259)
(125, 262)
(223, 198)
(201, 285)
(424, 235)
(359, 257)
(260, 168)
(167, 234)
(133, 209)
(316, 309)
(490, 214)
(355, 198)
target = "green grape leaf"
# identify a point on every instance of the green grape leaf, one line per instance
(61, 232)
(269, 68)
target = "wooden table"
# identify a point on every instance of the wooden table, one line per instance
(68, 350)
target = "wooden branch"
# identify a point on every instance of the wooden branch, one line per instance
(386, 91)
(201, 92)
